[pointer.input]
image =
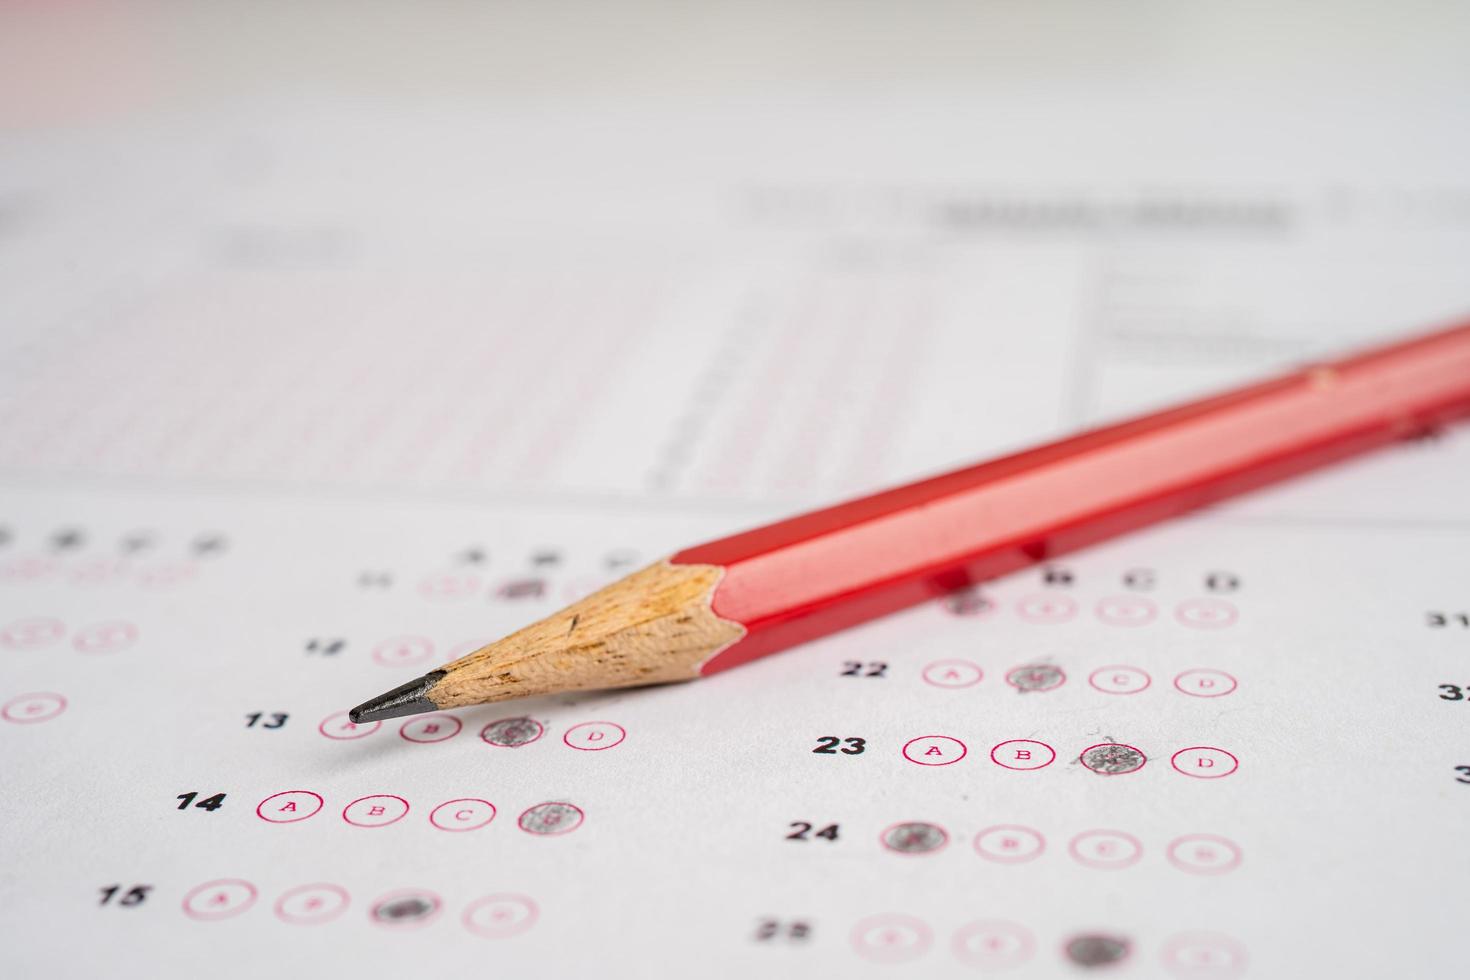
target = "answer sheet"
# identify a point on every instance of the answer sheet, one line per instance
(302, 399)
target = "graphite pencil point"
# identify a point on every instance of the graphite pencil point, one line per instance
(407, 699)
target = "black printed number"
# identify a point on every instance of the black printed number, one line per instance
(1443, 620)
(275, 719)
(801, 830)
(136, 895)
(1451, 692)
(856, 668)
(1464, 774)
(210, 803)
(777, 930)
(828, 745)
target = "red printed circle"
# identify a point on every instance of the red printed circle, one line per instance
(993, 945)
(1204, 683)
(934, 750)
(1203, 854)
(1204, 762)
(464, 814)
(512, 733)
(1126, 610)
(1029, 678)
(289, 806)
(953, 673)
(594, 736)
(1009, 844)
(891, 938)
(1023, 754)
(967, 603)
(914, 837)
(1204, 956)
(500, 916)
(403, 651)
(27, 568)
(1206, 614)
(1047, 608)
(98, 572)
(551, 818)
(220, 899)
(521, 588)
(340, 727)
(105, 637)
(1112, 758)
(428, 729)
(28, 709)
(378, 810)
(1106, 849)
(31, 634)
(448, 586)
(1097, 950)
(1119, 679)
(312, 905)
(166, 574)
(408, 908)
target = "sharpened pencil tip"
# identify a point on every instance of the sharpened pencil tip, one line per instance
(408, 699)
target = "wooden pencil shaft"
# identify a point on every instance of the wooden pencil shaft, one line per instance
(652, 627)
(729, 601)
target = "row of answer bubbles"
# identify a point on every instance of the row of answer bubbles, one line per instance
(98, 572)
(499, 916)
(1203, 854)
(461, 586)
(1102, 758)
(72, 539)
(998, 944)
(44, 632)
(1199, 682)
(546, 819)
(1122, 610)
(506, 733)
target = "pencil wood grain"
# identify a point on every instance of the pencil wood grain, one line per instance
(652, 627)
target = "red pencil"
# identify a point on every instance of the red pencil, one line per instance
(720, 604)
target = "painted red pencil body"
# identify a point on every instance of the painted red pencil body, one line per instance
(724, 603)
(830, 569)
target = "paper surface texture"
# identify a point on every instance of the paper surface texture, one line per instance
(304, 398)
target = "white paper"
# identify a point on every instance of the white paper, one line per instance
(303, 393)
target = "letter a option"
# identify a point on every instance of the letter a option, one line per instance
(934, 750)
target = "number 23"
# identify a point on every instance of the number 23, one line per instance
(827, 745)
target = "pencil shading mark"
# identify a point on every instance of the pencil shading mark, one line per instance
(915, 837)
(1095, 950)
(407, 908)
(966, 602)
(1036, 677)
(546, 819)
(1113, 759)
(509, 733)
(526, 588)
